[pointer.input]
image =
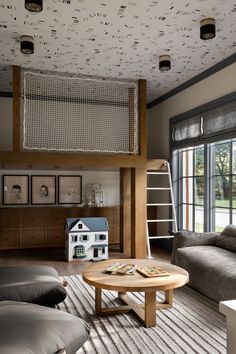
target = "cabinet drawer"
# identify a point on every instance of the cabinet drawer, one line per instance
(55, 237)
(32, 237)
(9, 239)
(55, 218)
(9, 218)
(31, 218)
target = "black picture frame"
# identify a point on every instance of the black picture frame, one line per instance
(43, 189)
(69, 189)
(15, 189)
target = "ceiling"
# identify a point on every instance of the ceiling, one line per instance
(118, 39)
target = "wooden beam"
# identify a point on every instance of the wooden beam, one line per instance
(16, 108)
(73, 161)
(138, 212)
(125, 211)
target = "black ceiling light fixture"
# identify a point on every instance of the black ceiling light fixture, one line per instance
(164, 63)
(207, 28)
(27, 45)
(34, 5)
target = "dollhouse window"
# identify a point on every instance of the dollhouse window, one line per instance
(84, 238)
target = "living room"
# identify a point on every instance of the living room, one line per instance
(153, 85)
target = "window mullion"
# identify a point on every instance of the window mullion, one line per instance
(194, 181)
(231, 185)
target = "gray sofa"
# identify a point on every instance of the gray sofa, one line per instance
(210, 259)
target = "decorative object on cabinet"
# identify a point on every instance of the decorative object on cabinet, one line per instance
(69, 189)
(15, 189)
(86, 238)
(43, 189)
(97, 197)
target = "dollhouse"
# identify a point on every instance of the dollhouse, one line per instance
(86, 238)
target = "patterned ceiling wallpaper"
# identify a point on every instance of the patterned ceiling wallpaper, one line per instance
(119, 39)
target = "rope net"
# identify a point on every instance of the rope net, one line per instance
(79, 114)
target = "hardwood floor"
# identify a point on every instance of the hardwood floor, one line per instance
(55, 257)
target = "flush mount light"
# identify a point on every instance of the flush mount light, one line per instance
(164, 63)
(207, 28)
(27, 45)
(34, 6)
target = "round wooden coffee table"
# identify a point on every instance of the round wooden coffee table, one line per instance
(95, 275)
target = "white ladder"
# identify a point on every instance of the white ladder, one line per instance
(173, 219)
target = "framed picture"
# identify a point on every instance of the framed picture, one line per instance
(43, 189)
(15, 189)
(69, 189)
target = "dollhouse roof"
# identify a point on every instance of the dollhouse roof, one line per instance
(89, 224)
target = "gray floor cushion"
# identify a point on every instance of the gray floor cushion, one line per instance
(32, 329)
(36, 284)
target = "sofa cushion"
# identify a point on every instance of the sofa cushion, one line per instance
(229, 231)
(227, 239)
(36, 284)
(29, 329)
(211, 270)
(187, 238)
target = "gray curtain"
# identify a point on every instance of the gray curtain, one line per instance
(220, 120)
(206, 127)
(187, 129)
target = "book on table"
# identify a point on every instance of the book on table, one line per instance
(121, 268)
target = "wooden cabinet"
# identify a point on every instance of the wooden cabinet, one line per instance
(44, 226)
(9, 238)
(32, 238)
(9, 229)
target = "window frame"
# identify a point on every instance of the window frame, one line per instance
(209, 206)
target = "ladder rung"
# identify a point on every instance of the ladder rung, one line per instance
(159, 204)
(161, 220)
(158, 189)
(157, 173)
(156, 237)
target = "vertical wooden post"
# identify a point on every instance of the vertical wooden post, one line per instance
(125, 211)
(16, 108)
(138, 212)
(139, 184)
(142, 119)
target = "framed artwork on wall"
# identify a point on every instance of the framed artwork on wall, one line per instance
(69, 189)
(15, 189)
(43, 189)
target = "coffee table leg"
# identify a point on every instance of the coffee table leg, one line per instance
(150, 309)
(98, 301)
(169, 297)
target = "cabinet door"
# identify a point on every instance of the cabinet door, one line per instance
(114, 235)
(9, 239)
(55, 237)
(32, 238)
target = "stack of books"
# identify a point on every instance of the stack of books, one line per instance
(122, 269)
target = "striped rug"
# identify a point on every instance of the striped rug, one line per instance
(193, 325)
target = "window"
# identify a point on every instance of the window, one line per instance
(192, 188)
(223, 184)
(206, 186)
